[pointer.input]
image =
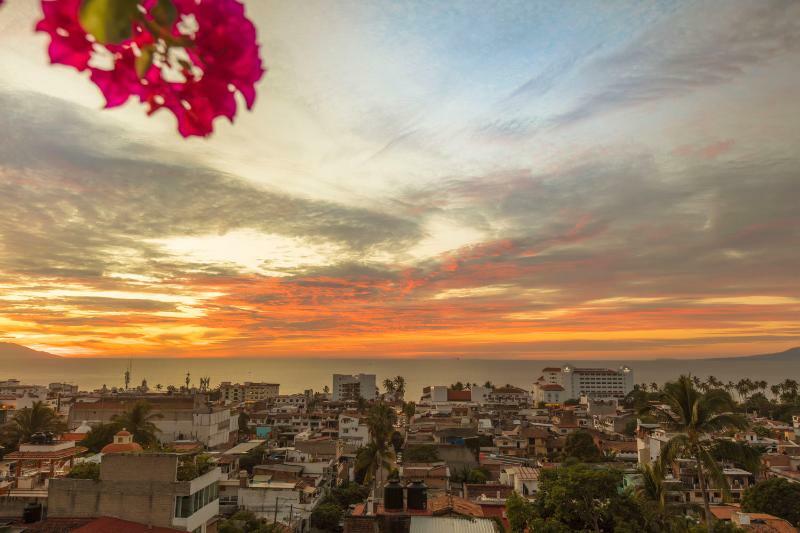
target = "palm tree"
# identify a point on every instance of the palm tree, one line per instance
(159, 386)
(39, 418)
(742, 387)
(654, 386)
(652, 487)
(400, 387)
(740, 454)
(139, 422)
(388, 384)
(695, 417)
(376, 456)
(776, 391)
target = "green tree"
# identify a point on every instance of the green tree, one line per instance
(39, 418)
(376, 456)
(252, 458)
(99, 436)
(421, 453)
(775, 496)
(740, 454)
(244, 419)
(579, 496)
(349, 494)
(581, 446)
(139, 422)
(326, 516)
(695, 417)
(397, 441)
(85, 471)
(409, 409)
(400, 387)
(519, 512)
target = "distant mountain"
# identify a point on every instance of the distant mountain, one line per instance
(792, 354)
(15, 351)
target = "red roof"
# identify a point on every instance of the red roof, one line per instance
(121, 447)
(551, 369)
(65, 453)
(106, 524)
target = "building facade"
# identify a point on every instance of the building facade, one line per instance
(347, 387)
(248, 391)
(588, 382)
(141, 488)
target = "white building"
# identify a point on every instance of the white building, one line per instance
(589, 382)
(295, 400)
(442, 394)
(352, 430)
(247, 391)
(549, 393)
(524, 479)
(347, 387)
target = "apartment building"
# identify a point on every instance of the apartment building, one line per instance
(182, 417)
(142, 488)
(248, 391)
(442, 394)
(353, 430)
(347, 387)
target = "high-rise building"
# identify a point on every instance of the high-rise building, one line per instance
(347, 387)
(247, 391)
(590, 382)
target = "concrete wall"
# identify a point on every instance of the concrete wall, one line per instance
(144, 467)
(139, 501)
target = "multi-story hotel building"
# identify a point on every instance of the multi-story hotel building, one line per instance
(247, 391)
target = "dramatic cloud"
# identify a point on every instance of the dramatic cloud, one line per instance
(607, 182)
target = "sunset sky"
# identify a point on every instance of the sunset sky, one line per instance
(433, 179)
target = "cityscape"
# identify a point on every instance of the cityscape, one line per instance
(399, 266)
(361, 455)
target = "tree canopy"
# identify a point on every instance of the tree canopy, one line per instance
(775, 496)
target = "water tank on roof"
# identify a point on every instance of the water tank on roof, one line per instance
(417, 495)
(393, 496)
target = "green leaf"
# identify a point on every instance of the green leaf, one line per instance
(145, 60)
(164, 13)
(108, 21)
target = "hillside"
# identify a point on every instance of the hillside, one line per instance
(792, 354)
(15, 351)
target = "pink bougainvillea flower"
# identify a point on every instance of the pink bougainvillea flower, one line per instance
(220, 58)
(69, 43)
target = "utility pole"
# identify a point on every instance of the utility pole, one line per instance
(275, 519)
(291, 508)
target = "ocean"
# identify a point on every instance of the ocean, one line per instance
(296, 375)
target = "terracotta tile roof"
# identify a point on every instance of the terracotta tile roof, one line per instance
(107, 524)
(448, 503)
(66, 453)
(55, 525)
(551, 369)
(551, 386)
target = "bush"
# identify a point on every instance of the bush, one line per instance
(85, 471)
(420, 453)
(326, 517)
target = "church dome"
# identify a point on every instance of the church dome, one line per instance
(123, 443)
